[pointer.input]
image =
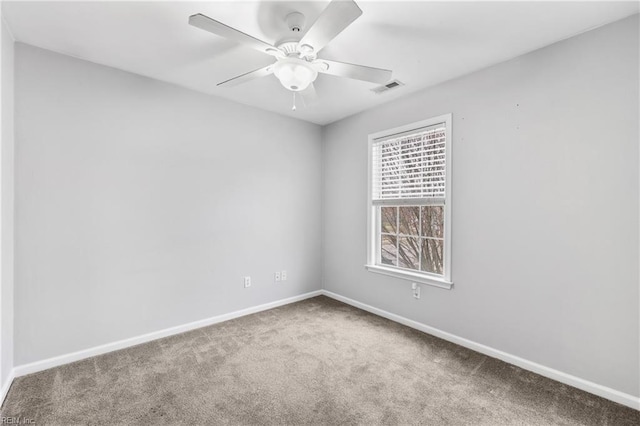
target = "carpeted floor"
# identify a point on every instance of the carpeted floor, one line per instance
(313, 362)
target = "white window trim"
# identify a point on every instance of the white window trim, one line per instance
(443, 281)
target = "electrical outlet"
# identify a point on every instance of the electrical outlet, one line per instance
(247, 282)
(416, 291)
(277, 276)
(283, 274)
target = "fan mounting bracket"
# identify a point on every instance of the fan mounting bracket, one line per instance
(295, 21)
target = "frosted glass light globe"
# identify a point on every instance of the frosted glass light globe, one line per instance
(295, 74)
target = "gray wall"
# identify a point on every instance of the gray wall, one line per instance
(6, 206)
(545, 207)
(139, 205)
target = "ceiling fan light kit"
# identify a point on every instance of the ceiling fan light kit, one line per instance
(295, 74)
(297, 65)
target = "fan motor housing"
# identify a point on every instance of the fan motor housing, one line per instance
(289, 47)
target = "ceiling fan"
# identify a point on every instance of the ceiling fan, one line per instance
(297, 65)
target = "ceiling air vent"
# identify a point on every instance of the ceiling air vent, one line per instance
(390, 85)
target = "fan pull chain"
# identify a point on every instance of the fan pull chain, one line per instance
(294, 102)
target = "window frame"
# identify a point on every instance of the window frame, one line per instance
(373, 220)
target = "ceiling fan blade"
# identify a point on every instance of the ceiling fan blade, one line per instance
(357, 72)
(218, 28)
(309, 95)
(251, 75)
(333, 19)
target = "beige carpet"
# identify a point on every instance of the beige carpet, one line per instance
(314, 362)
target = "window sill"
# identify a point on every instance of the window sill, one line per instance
(410, 276)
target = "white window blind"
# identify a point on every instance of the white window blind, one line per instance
(410, 166)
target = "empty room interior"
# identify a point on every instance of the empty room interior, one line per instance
(320, 213)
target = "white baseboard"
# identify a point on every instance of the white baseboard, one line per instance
(568, 379)
(45, 364)
(594, 388)
(4, 390)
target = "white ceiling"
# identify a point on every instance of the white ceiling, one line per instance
(424, 43)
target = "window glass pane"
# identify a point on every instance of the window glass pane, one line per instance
(388, 250)
(433, 221)
(388, 219)
(409, 220)
(431, 256)
(408, 252)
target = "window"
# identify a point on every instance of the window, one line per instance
(410, 202)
